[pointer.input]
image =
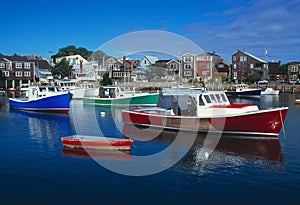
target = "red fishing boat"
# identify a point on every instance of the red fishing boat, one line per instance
(96, 143)
(207, 111)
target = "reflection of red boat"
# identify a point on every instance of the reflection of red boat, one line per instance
(96, 143)
(261, 148)
(104, 154)
(207, 111)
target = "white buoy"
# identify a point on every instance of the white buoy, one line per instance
(206, 155)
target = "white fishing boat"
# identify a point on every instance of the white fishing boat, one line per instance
(270, 91)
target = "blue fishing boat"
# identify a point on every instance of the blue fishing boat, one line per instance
(43, 99)
(242, 90)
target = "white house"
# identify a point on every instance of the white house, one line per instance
(147, 61)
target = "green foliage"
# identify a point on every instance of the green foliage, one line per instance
(62, 69)
(284, 68)
(252, 78)
(65, 51)
(106, 80)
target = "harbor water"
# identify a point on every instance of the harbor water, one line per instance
(35, 169)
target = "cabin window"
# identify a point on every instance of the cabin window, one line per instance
(201, 101)
(207, 99)
(218, 98)
(212, 97)
(223, 97)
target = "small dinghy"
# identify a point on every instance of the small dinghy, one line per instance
(96, 143)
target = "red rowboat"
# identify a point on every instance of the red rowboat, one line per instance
(204, 111)
(96, 143)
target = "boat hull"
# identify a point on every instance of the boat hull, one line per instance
(56, 103)
(135, 100)
(258, 123)
(255, 93)
(96, 143)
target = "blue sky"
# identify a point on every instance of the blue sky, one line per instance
(36, 27)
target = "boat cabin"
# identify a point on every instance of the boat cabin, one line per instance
(35, 92)
(200, 103)
(116, 91)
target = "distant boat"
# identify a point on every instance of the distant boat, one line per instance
(297, 101)
(43, 99)
(96, 143)
(270, 91)
(122, 96)
(243, 90)
(78, 89)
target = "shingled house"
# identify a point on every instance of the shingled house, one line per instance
(15, 71)
(245, 64)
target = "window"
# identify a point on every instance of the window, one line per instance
(188, 73)
(5, 73)
(27, 65)
(223, 97)
(19, 74)
(18, 65)
(27, 74)
(212, 97)
(234, 66)
(294, 69)
(187, 59)
(221, 66)
(233, 58)
(207, 99)
(2, 65)
(243, 58)
(251, 66)
(201, 101)
(187, 66)
(173, 66)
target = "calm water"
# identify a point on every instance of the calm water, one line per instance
(35, 169)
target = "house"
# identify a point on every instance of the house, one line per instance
(276, 73)
(147, 61)
(223, 69)
(187, 70)
(139, 75)
(206, 64)
(294, 72)
(42, 70)
(245, 64)
(173, 67)
(15, 70)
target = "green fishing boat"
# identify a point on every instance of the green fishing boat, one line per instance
(122, 96)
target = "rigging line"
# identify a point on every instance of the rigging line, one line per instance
(282, 124)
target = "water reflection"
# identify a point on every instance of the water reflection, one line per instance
(236, 147)
(103, 154)
(43, 126)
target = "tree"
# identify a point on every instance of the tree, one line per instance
(106, 80)
(65, 51)
(254, 77)
(62, 69)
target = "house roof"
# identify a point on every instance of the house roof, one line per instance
(42, 64)
(151, 59)
(254, 57)
(1, 57)
(16, 58)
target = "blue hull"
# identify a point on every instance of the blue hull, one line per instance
(57, 103)
(250, 93)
